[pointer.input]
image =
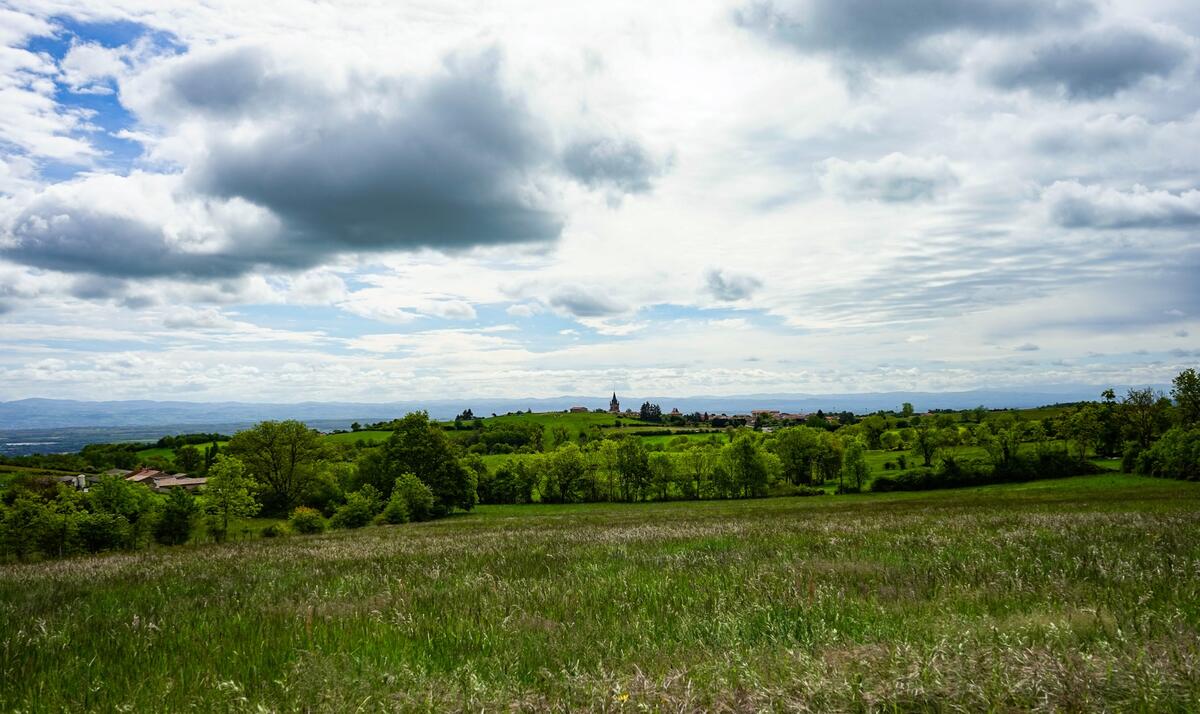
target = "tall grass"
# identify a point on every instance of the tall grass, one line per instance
(1082, 594)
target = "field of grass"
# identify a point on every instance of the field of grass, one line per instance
(353, 437)
(1080, 594)
(576, 423)
(169, 454)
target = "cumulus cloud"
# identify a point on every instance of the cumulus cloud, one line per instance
(908, 34)
(580, 301)
(1095, 64)
(612, 162)
(1073, 205)
(730, 286)
(291, 167)
(895, 178)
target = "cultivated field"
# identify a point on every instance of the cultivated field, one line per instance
(1080, 594)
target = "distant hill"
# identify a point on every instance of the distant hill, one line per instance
(58, 413)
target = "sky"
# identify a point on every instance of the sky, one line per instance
(376, 201)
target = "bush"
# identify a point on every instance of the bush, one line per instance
(178, 517)
(1175, 455)
(416, 496)
(273, 531)
(358, 510)
(306, 521)
(956, 473)
(394, 513)
(1129, 458)
(103, 531)
(783, 488)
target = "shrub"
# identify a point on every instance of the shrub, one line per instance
(178, 517)
(783, 488)
(103, 531)
(1175, 455)
(358, 510)
(273, 531)
(395, 512)
(416, 496)
(306, 520)
(1129, 458)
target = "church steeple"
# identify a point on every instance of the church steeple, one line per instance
(614, 407)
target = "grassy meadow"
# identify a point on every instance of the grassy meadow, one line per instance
(1079, 594)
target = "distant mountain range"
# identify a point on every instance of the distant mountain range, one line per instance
(58, 413)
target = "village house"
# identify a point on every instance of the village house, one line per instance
(161, 480)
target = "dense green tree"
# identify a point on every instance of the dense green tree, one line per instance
(1002, 438)
(565, 472)
(747, 470)
(633, 467)
(360, 508)
(417, 497)
(663, 474)
(889, 440)
(188, 459)
(281, 456)
(1186, 392)
(421, 447)
(798, 449)
(697, 466)
(227, 495)
(1083, 430)
(178, 517)
(829, 459)
(872, 429)
(906, 410)
(855, 470)
(927, 440)
(134, 504)
(1143, 410)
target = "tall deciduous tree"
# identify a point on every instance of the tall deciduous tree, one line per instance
(228, 494)
(927, 441)
(1143, 410)
(1186, 391)
(420, 447)
(798, 449)
(854, 465)
(280, 456)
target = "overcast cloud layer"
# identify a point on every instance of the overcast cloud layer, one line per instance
(392, 201)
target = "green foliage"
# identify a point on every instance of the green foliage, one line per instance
(1186, 392)
(855, 471)
(798, 449)
(416, 497)
(188, 459)
(420, 447)
(178, 518)
(1175, 455)
(281, 457)
(133, 504)
(360, 508)
(745, 467)
(227, 495)
(306, 521)
(632, 468)
(565, 471)
(511, 482)
(927, 440)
